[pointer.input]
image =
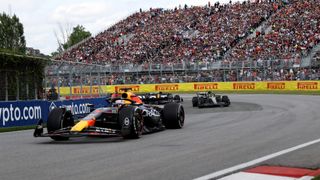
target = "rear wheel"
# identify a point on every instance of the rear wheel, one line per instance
(173, 116)
(58, 119)
(226, 101)
(131, 123)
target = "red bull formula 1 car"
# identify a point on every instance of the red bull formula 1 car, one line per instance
(124, 117)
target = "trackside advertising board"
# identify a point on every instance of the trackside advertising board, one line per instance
(204, 86)
(21, 113)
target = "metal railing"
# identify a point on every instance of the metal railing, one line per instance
(69, 74)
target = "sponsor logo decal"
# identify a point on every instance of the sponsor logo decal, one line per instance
(277, 85)
(126, 121)
(244, 86)
(85, 90)
(150, 113)
(134, 88)
(171, 87)
(205, 86)
(307, 85)
(52, 106)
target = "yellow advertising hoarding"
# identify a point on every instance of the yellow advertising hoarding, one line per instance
(199, 86)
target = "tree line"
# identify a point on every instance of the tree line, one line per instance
(78, 34)
(12, 34)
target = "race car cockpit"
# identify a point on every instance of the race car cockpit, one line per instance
(126, 97)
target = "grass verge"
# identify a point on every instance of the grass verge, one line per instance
(17, 128)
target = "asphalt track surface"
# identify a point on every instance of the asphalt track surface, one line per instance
(212, 139)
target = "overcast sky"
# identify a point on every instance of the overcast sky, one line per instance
(41, 18)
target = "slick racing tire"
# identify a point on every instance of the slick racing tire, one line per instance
(226, 101)
(194, 101)
(55, 122)
(201, 101)
(173, 116)
(131, 123)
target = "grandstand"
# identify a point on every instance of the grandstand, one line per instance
(290, 34)
(242, 41)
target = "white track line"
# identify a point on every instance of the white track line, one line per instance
(256, 161)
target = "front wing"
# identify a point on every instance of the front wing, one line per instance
(65, 132)
(90, 131)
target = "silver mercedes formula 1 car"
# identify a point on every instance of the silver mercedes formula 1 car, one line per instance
(209, 99)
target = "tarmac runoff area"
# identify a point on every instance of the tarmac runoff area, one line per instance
(213, 140)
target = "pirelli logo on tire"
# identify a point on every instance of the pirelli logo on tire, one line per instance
(167, 87)
(133, 88)
(307, 85)
(276, 85)
(206, 86)
(244, 86)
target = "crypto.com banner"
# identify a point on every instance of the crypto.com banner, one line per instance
(21, 113)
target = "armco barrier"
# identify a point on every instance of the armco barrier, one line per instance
(21, 113)
(205, 86)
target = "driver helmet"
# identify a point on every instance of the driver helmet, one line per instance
(129, 95)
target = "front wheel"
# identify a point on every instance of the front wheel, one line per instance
(131, 123)
(173, 116)
(58, 119)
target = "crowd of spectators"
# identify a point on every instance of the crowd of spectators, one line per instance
(170, 36)
(221, 75)
(316, 59)
(289, 34)
(224, 33)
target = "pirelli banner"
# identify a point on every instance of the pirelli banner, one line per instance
(201, 86)
(77, 90)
